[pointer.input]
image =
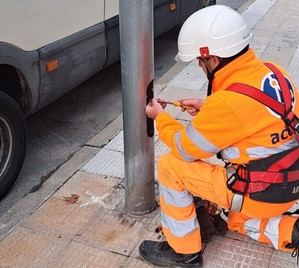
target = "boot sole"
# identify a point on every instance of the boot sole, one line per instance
(181, 265)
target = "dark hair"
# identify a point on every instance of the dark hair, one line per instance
(225, 61)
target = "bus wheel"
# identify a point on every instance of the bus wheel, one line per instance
(12, 142)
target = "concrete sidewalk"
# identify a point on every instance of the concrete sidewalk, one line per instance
(82, 224)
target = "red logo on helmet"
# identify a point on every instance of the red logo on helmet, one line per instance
(204, 52)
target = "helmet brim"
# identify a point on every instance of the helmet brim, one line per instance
(179, 58)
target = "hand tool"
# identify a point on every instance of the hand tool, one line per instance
(175, 103)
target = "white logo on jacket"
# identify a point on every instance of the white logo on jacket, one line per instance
(270, 86)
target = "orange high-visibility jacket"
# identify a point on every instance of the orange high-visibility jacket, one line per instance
(237, 125)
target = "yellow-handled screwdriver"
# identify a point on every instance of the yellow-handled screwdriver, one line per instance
(175, 103)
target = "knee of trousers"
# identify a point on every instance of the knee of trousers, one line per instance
(163, 166)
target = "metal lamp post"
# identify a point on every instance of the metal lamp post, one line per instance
(137, 66)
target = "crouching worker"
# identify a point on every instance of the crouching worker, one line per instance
(250, 117)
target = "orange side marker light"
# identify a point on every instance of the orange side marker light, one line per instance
(52, 65)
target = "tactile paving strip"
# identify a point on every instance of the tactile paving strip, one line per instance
(177, 93)
(191, 77)
(136, 263)
(282, 260)
(245, 238)
(117, 143)
(106, 162)
(223, 252)
(259, 44)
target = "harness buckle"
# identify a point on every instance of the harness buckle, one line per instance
(232, 175)
(238, 179)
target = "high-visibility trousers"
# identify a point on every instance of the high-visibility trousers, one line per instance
(179, 181)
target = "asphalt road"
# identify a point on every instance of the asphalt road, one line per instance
(60, 129)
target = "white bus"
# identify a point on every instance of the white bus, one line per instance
(48, 47)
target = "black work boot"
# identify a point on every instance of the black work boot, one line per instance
(207, 227)
(295, 241)
(161, 254)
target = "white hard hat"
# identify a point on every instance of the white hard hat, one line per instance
(215, 30)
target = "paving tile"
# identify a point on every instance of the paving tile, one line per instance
(93, 190)
(224, 252)
(293, 68)
(62, 214)
(280, 50)
(136, 263)
(113, 231)
(27, 248)
(57, 216)
(78, 255)
(256, 11)
(117, 143)
(31, 201)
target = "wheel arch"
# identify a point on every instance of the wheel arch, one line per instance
(19, 76)
(13, 83)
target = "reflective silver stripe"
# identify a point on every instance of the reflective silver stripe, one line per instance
(175, 198)
(230, 152)
(237, 203)
(183, 154)
(200, 141)
(224, 214)
(179, 228)
(261, 152)
(252, 228)
(293, 208)
(272, 230)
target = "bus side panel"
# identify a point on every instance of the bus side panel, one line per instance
(189, 7)
(32, 24)
(164, 20)
(113, 40)
(79, 57)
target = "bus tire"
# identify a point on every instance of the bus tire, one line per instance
(12, 142)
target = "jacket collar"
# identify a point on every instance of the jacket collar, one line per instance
(233, 71)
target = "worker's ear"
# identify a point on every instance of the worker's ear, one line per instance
(216, 60)
(213, 62)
